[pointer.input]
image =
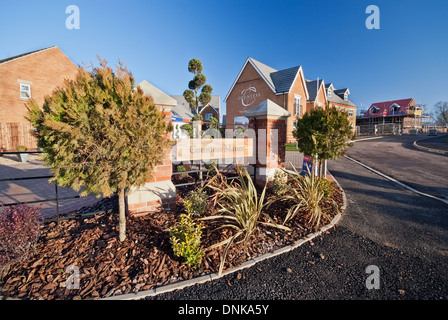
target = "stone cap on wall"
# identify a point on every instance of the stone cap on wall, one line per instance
(267, 108)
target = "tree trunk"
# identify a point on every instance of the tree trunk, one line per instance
(122, 210)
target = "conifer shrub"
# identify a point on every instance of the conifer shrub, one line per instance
(101, 134)
(19, 232)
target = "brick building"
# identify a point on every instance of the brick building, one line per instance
(339, 98)
(287, 88)
(257, 82)
(31, 75)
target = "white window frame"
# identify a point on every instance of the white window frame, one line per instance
(350, 112)
(297, 106)
(208, 116)
(28, 92)
(345, 96)
(329, 93)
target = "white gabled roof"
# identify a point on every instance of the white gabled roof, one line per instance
(279, 81)
(159, 97)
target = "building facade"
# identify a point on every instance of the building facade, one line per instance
(32, 75)
(287, 88)
(257, 82)
(404, 113)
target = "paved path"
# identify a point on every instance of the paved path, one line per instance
(403, 234)
(39, 189)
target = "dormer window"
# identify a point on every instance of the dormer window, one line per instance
(346, 96)
(374, 109)
(329, 93)
(394, 108)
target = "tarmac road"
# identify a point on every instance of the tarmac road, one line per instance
(402, 233)
(395, 156)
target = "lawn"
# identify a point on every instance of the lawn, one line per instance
(291, 147)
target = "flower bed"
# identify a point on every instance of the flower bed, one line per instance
(145, 259)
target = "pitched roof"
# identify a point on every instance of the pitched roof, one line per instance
(24, 54)
(385, 105)
(284, 79)
(313, 88)
(267, 107)
(264, 70)
(182, 109)
(280, 81)
(159, 97)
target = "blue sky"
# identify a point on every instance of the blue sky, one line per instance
(407, 57)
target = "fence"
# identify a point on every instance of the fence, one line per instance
(57, 197)
(14, 134)
(198, 173)
(374, 129)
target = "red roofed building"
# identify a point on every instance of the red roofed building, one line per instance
(405, 113)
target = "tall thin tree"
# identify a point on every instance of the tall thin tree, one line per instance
(192, 95)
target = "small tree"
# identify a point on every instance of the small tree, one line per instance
(442, 113)
(323, 132)
(101, 133)
(199, 80)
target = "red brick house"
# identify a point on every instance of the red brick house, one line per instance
(257, 82)
(31, 75)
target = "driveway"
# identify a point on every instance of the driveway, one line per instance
(395, 156)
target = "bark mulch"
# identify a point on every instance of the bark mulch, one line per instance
(143, 261)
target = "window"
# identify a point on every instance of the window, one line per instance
(25, 91)
(208, 116)
(350, 112)
(297, 105)
(374, 109)
(346, 96)
(394, 108)
(329, 93)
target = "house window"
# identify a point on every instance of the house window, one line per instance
(208, 116)
(329, 93)
(350, 112)
(25, 91)
(346, 96)
(297, 105)
(375, 109)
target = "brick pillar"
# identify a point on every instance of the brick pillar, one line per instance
(269, 122)
(157, 193)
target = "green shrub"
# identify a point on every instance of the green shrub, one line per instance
(181, 168)
(186, 240)
(326, 187)
(308, 195)
(196, 202)
(240, 208)
(211, 167)
(21, 149)
(280, 184)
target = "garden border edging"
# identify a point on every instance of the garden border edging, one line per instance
(250, 263)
